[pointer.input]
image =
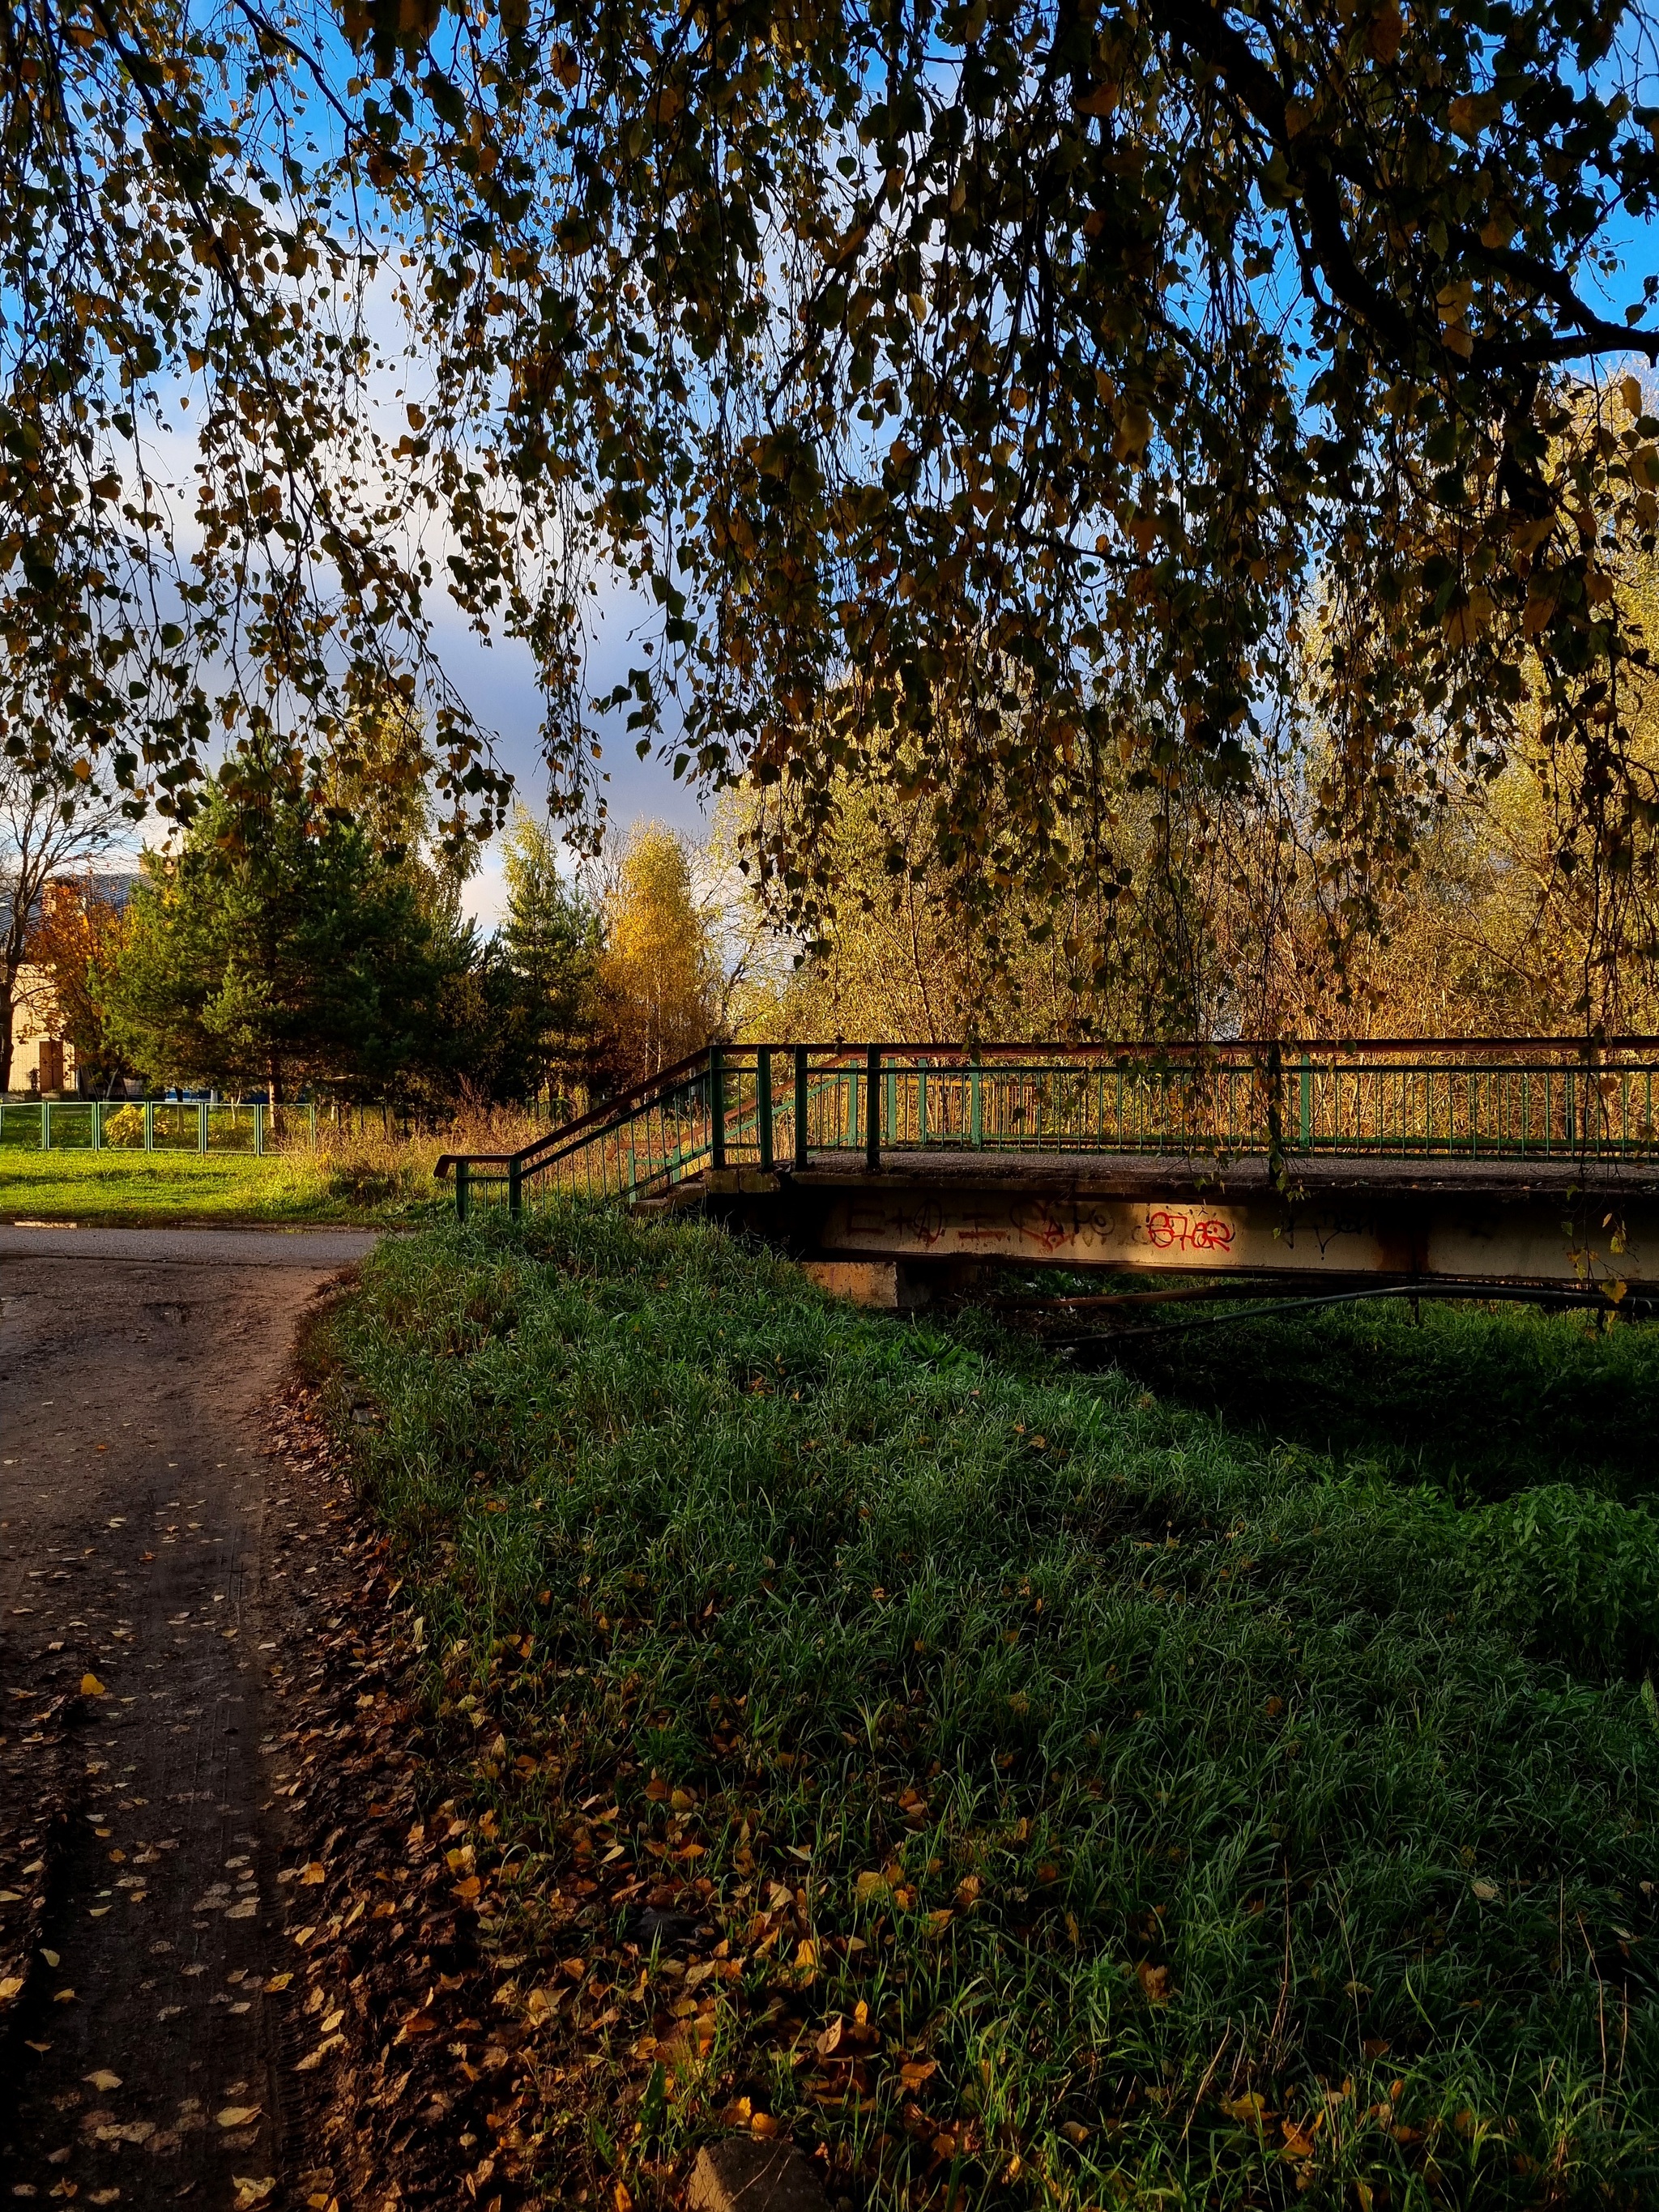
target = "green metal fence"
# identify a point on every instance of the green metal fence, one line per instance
(87, 1125)
(764, 1107)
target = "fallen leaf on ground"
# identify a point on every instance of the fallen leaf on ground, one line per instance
(251, 2189)
(10, 1986)
(62, 1996)
(92, 1687)
(236, 2116)
(101, 2078)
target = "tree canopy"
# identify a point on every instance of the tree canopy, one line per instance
(279, 950)
(1021, 404)
(659, 972)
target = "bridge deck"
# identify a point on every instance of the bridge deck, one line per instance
(1548, 1223)
(1132, 1175)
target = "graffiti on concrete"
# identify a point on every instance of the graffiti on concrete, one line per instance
(1166, 1229)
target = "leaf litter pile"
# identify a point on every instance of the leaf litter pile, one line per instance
(760, 1716)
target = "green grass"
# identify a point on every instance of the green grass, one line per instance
(1200, 1816)
(152, 1189)
(1477, 1405)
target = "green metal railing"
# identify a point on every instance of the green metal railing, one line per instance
(763, 1107)
(89, 1125)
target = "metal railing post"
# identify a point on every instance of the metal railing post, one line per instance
(46, 1125)
(975, 1108)
(259, 1133)
(463, 1189)
(515, 1188)
(716, 1108)
(1305, 1102)
(149, 1125)
(763, 1104)
(803, 1131)
(202, 1113)
(873, 1108)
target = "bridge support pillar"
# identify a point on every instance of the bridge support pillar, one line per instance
(889, 1286)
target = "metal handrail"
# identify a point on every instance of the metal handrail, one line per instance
(1493, 1098)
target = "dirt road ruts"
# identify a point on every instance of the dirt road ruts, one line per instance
(138, 2059)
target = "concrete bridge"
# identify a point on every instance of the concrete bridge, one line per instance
(1506, 1166)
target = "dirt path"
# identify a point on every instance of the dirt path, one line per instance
(139, 2042)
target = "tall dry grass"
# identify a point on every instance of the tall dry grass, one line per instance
(370, 1158)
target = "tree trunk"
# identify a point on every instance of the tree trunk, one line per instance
(275, 1073)
(8, 1015)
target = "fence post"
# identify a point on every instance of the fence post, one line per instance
(149, 1125)
(313, 1123)
(763, 1104)
(97, 1127)
(463, 1188)
(259, 1133)
(716, 1108)
(514, 1187)
(1305, 1103)
(975, 1108)
(46, 1125)
(871, 1108)
(802, 1128)
(202, 1113)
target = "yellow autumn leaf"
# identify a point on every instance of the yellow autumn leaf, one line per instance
(101, 2078)
(92, 1687)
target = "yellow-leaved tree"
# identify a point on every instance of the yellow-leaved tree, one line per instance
(660, 972)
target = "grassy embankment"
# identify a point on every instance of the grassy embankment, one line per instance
(362, 1177)
(1095, 1800)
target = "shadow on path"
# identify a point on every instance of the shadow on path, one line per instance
(138, 1928)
